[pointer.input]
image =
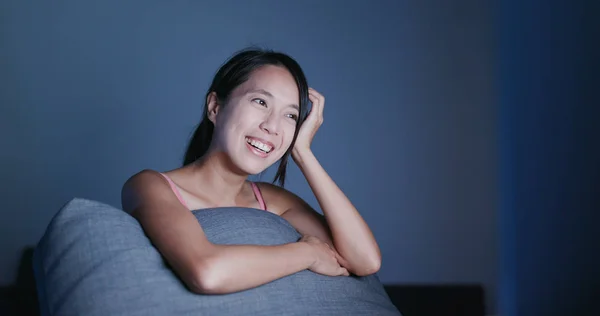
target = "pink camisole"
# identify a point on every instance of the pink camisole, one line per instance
(255, 188)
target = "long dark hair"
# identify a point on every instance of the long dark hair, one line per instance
(232, 74)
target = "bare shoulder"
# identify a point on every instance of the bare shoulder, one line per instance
(144, 186)
(278, 199)
(143, 179)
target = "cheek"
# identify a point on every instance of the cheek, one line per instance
(289, 136)
(235, 123)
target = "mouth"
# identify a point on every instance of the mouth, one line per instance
(262, 146)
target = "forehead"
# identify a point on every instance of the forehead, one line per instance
(275, 80)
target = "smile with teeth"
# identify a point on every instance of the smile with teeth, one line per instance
(259, 145)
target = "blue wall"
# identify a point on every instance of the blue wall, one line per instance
(548, 69)
(92, 92)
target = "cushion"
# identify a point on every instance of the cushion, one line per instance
(95, 259)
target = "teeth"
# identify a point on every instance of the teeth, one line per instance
(264, 147)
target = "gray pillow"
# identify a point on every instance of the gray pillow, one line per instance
(94, 259)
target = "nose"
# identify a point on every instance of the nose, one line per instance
(270, 125)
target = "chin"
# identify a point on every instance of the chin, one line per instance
(254, 168)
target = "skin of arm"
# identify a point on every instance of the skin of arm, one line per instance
(206, 268)
(341, 226)
(349, 234)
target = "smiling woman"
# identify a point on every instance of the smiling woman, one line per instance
(254, 116)
(260, 114)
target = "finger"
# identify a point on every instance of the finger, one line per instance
(316, 96)
(320, 102)
(341, 261)
(317, 102)
(314, 102)
(343, 271)
(315, 92)
(332, 253)
(338, 257)
(314, 110)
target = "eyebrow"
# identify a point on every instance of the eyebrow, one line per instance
(261, 91)
(267, 93)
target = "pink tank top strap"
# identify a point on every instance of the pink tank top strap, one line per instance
(175, 189)
(259, 196)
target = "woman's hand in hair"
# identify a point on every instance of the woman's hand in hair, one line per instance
(351, 237)
(310, 126)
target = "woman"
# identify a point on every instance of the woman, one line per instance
(253, 117)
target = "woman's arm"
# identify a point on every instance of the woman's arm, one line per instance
(233, 268)
(203, 266)
(350, 235)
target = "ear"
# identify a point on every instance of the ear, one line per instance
(213, 106)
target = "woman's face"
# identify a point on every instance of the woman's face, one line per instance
(256, 126)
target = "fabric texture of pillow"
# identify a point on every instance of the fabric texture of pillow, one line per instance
(94, 259)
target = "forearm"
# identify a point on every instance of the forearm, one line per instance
(233, 268)
(351, 235)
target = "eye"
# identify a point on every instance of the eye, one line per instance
(260, 101)
(293, 116)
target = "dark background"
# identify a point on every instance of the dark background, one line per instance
(464, 131)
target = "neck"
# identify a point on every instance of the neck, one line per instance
(214, 177)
